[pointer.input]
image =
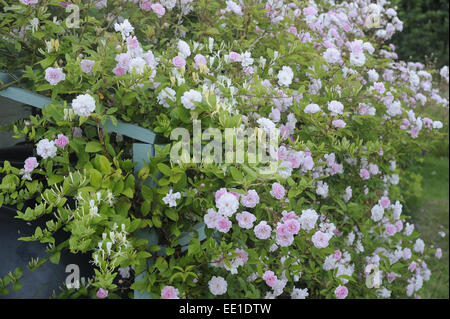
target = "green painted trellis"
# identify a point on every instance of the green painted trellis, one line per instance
(142, 150)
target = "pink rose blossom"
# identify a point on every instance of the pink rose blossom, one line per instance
(381, 152)
(63, 4)
(391, 276)
(288, 215)
(337, 233)
(308, 163)
(235, 57)
(336, 168)
(199, 59)
(390, 229)
(412, 266)
(27, 2)
(158, 9)
(405, 124)
(339, 123)
(285, 240)
(30, 164)
(123, 60)
(102, 293)
(373, 169)
(295, 161)
(211, 218)
(292, 226)
(282, 230)
(178, 61)
(249, 70)
(364, 173)
(245, 219)
(407, 253)
(385, 202)
(61, 141)
(292, 30)
(54, 75)
(146, 5)
(132, 43)
(427, 122)
(223, 225)
(285, 132)
(414, 132)
(220, 192)
(87, 65)
(270, 278)
(310, 11)
(237, 195)
(320, 239)
(277, 191)
(282, 153)
(119, 71)
(262, 230)
(341, 292)
(251, 199)
(169, 292)
(243, 255)
(399, 225)
(337, 255)
(379, 87)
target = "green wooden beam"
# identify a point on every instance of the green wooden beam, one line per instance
(30, 98)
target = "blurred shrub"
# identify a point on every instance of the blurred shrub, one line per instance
(426, 31)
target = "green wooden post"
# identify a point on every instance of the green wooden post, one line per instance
(141, 152)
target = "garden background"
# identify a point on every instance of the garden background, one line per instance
(425, 39)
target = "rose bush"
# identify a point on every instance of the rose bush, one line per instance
(321, 74)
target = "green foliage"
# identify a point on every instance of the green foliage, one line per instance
(88, 188)
(11, 282)
(425, 31)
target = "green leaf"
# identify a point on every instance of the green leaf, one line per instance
(128, 193)
(55, 257)
(169, 251)
(105, 164)
(4, 291)
(96, 178)
(54, 179)
(17, 286)
(237, 176)
(347, 277)
(147, 193)
(166, 170)
(156, 221)
(18, 273)
(171, 214)
(93, 147)
(48, 61)
(145, 208)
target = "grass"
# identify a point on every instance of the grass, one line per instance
(431, 216)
